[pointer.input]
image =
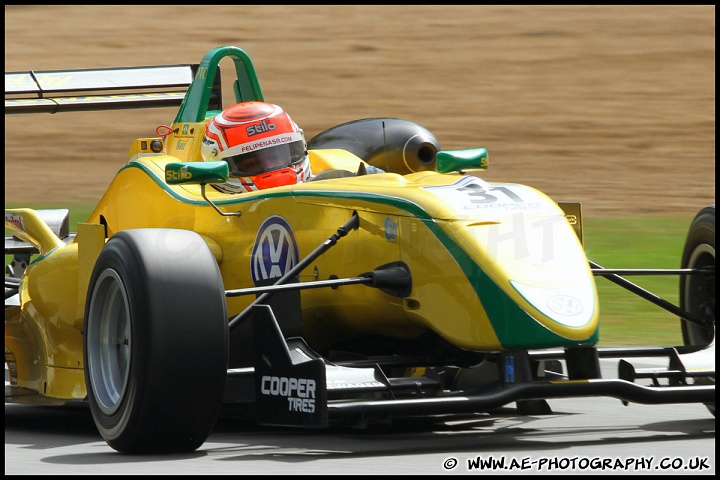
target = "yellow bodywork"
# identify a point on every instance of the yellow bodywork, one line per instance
(484, 273)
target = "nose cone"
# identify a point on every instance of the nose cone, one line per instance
(533, 278)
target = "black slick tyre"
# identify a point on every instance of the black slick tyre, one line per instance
(155, 341)
(697, 292)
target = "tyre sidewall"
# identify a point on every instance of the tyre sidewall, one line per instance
(117, 255)
(178, 353)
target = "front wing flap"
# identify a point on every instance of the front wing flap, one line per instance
(294, 386)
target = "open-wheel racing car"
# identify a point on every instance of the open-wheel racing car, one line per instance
(396, 283)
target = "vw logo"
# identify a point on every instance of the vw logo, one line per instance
(275, 251)
(565, 305)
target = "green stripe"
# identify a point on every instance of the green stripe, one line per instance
(514, 327)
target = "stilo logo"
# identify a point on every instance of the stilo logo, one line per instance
(275, 251)
(262, 128)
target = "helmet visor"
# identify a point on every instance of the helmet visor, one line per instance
(267, 159)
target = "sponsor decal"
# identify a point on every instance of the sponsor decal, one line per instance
(472, 193)
(300, 392)
(263, 127)
(47, 81)
(89, 99)
(565, 305)
(339, 386)
(268, 142)
(571, 306)
(179, 174)
(391, 230)
(15, 220)
(275, 251)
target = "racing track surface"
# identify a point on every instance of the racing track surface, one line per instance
(638, 439)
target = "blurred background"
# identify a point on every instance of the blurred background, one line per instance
(613, 106)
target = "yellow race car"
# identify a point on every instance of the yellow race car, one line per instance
(396, 282)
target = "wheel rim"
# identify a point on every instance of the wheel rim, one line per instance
(700, 295)
(109, 341)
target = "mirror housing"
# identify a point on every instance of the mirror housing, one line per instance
(456, 160)
(184, 173)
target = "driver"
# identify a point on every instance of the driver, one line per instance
(262, 145)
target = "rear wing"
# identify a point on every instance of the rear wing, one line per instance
(196, 88)
(55, 91)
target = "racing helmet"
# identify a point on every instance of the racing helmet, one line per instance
(262, 145)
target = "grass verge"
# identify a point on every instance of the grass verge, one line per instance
(632, 242)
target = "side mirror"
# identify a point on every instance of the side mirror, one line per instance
(183, 173)
(202, 173)
(455, 160)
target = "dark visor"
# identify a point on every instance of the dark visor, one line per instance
(266, 160)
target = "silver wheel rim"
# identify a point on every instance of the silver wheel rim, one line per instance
(109, 341)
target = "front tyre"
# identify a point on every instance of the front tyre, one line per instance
(155, 341)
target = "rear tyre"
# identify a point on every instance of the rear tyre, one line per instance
(155, 341)
(697, 292)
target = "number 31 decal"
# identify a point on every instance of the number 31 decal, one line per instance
(479, 194)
